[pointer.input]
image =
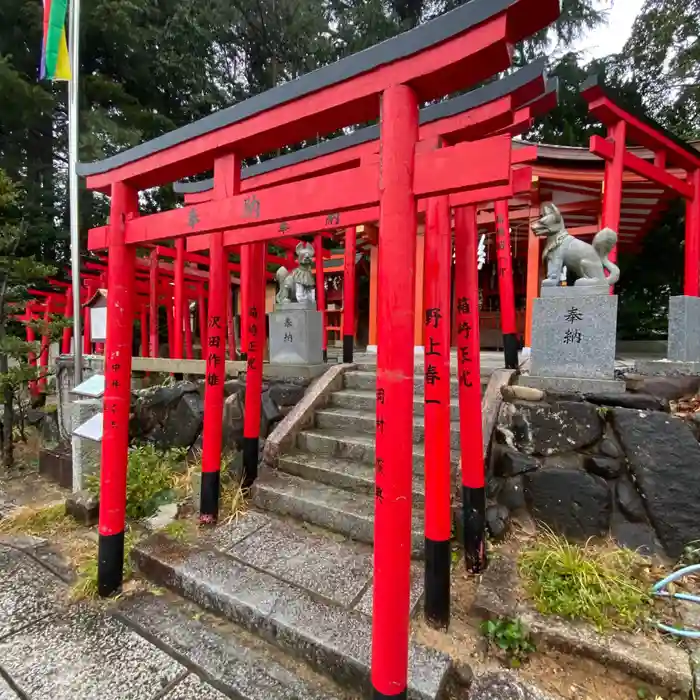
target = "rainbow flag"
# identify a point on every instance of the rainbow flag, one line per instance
(55, 63)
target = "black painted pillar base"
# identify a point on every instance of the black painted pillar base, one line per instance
(348, 347)
(437, 583)
(243, 356)
(209, 498)
(325, 355)
(474, 524)
(178, 376)
(250, 460)
(510, 350)
(110, 564)
(376, 695)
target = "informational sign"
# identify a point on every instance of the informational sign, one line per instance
(93, 388)
(481, 252)
(91, 429)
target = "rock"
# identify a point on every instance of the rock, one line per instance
(560, 426)
(184, 423)
(151, 407)
(511, 463)
(234, 467)
(630, 501)
(639, 537)
(610, 448)
(512, 494)
(462, 672)
(165, 515)
(34, 416)
(188, 387)
(286, 394)
(572, 502)
(668, 388)
(84, 507)
(234, 386)
(497, 521)
(523, 393)
(50, 433)
(643, 402)
(493, 487)
(233, 422)
(269, 408)
(664, 457)
(606, 467)
(503, 686)
(693, 420)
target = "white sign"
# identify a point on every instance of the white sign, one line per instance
(98, 324)
(91, 429)
(93, 388)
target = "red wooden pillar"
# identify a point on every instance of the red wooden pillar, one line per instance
(153, 302)
(117, 396)
(170, 322)
(253, 278)
(144, 330)
(188, 332)
(229, 322)
(505, 284)
(691, 283)
(31, 338)
(227, 178)
(614, 173)
(87, 326)
(321, 290)
(68, 331)
(179, 294)
(436, 303)
(394, 431)
(202, 313)
(349, 294)
(45, 344)
(469, 367)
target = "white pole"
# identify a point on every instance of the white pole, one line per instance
(74, 36)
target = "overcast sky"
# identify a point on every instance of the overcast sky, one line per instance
(611, 38)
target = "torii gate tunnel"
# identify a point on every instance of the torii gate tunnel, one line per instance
(388, 81)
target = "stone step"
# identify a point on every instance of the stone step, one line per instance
(334, 638)
(367, 381)
(419, 368)
(350, 514)
(229, 658)
(341, 473)
(357, 448)
(364, 422)
(361, 400)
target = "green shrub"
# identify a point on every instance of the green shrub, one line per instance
(150, 480)
(602, 585)
(510, 637)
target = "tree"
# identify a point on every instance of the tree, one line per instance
(16, 272)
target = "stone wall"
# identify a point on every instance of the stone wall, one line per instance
(595, 465)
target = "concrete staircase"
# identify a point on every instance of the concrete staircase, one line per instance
(328, 478)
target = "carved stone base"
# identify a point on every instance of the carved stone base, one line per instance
(296, 335)
(684, 329)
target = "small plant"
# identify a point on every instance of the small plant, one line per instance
(150, 480)
(511, 637)
(603, 411)
(691, 554)
(86, 586)
(177, 530)
(601, 585)
(39, 522)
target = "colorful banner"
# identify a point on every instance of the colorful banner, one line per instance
(55, 63)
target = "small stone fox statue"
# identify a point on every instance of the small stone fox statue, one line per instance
(300, 284)
(585, 260)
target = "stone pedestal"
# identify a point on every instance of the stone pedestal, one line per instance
(684, 329)
(86, 453)
(573, 341)
(296, 335)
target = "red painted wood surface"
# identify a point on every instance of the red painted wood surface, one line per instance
(505, 268)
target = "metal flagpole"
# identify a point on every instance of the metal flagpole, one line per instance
(74, 20)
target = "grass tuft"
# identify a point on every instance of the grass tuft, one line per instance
(604, 586)
(47, 521)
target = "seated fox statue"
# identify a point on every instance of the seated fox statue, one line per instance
(586, 261)
(298, 286)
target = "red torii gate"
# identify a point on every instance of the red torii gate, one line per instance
(445, 55)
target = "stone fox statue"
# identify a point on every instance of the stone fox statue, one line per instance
(586, 261)
(300, 284)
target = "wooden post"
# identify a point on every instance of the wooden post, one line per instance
(691, 282)
(153, 302)
(229, 321)
(45, 343)
(420, 266)
(321, 290)
(31, 338)
(144, 330)
(436, 320)
(505, 284)
(202, 313)
(188, 331)
(614, 174)
(394, 432)
(349, 294)
(253, 277)
(170, 323)
(179, 294)
(117, 396)
(533, 265)
(68, 331)
(469, 363)
(227, 177)
(373, 293)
